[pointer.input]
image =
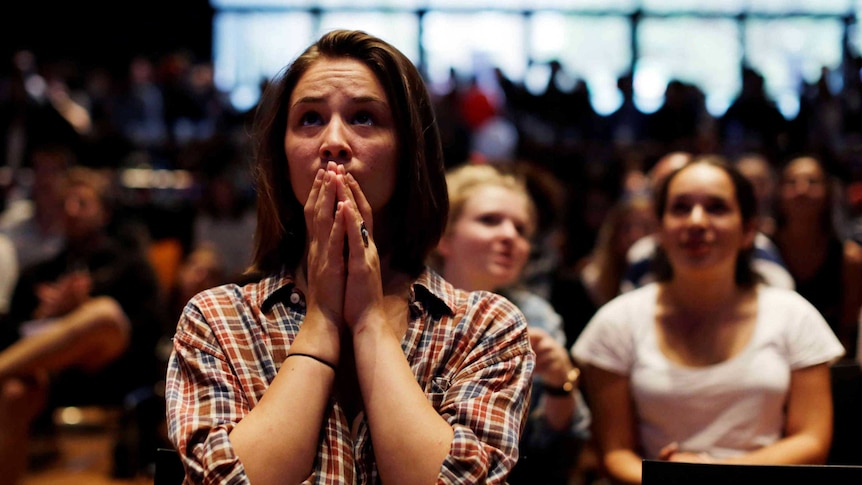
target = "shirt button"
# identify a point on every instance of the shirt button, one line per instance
(294, 297)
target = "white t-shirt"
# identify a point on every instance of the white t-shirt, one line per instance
(725, 409)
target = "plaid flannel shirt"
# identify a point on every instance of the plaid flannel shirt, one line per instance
(469, 352)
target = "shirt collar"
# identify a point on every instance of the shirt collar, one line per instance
(273, 287)
(429, 289)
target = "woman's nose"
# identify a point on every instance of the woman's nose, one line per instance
(508, 229)
(335, 145)
(697, 215)
(798, 186)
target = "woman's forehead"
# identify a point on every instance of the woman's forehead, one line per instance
(344, 74)
(702, 178)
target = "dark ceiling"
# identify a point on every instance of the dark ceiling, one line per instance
(105, 33)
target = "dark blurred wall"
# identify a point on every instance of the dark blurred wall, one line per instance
(105, 33)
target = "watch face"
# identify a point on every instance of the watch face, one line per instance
(568, 386)
(573, 376)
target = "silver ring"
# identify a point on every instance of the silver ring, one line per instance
(364, 231)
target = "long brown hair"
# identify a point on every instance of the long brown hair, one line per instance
(418, 208)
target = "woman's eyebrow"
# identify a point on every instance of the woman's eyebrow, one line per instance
(355, 100)
(308, 100)
(373, 100)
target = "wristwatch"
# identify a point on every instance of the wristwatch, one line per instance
(567, 387)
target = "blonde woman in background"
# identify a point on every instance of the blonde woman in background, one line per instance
(485, 247)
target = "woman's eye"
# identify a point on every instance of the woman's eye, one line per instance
(717, 208)
(523, 230)
(363, 118)
(680, 208)
(489, 219)
(310, 118)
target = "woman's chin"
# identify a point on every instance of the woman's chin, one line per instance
(503, 277)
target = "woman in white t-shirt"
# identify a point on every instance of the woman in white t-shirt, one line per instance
(706, 364)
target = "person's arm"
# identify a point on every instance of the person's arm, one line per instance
(277, 440)
(89, 337)
(294, 406)
(479, 383)
(227, 415)
(556, 370)
(411, 439)
(808, 432)
(808, 429)
(614, 424)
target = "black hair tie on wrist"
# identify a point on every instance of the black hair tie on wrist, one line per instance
(313, 357)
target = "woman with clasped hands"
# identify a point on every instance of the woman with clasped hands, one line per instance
(348, 361)
(706, 364)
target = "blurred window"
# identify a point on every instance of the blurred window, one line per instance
(250, 47)
(703, 52)
(703, 42)
(702, 6)
(596, 49)
(474, 44)
(790, 52)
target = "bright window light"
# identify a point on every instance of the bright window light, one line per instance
(703, 52)
(790, 52)
(595, 49)
(474, 43)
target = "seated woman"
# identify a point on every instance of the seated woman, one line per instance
(706, 364)
(485, 247)
(826, 267)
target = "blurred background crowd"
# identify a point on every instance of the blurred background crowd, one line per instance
(133, 92)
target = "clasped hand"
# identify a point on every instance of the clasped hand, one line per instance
(343, 275)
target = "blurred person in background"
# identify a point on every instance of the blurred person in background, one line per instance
(34, 218)
(757, 168)
(225, 218)
(580, 291)
(8, 273)
(707, 364)
(767, 260)
(28, 118)
(201, 269)
(82, 326)
(486, 246)
(826, 267)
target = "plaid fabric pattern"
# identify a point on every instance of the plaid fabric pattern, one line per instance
(469, 352)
